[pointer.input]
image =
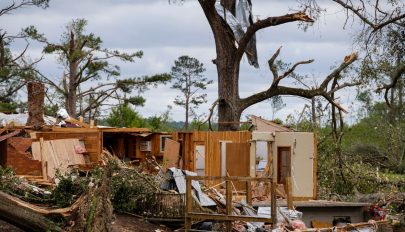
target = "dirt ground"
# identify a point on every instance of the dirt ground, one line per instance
(123, 223)
(127, 223)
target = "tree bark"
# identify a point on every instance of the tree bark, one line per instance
(229, 55)
(73, 78)
(24, 215)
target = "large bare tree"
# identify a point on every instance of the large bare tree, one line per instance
(230, 50)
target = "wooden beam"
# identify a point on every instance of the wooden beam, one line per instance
(9, 135)
(223, 217)
(189, 205)
(231, 178)
(289, 192)
(43, 162)
(273, 203)
(249, 192)
(228, 205)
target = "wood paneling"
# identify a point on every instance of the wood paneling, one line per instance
(16, 156)
(186, 149)
(92, 141)
(238, 162)
(171, 154)
(211, 141)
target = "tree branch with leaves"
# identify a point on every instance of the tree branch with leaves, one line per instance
(84, 62)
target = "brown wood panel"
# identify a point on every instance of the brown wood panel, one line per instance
(92, 141)
(171, 154)
(211, 140)
(238, 161)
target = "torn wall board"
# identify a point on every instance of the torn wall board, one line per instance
(58, 154)
(179, 177)
(15, 153)
(239, 24)
(171, 154)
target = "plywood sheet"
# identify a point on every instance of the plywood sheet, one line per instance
(92, 140)
(58, 154)
(171, 154)
(238, 161)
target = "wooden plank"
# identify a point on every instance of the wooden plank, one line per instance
(189, 205)
(9, 135)
(289, 192)
(74, 130)
(171, 154)
(273, 202)
(50, 159)
(238, 161)
(92, 141)
(78, 122)
(228, 204)
(222, 217)
(122, 130)
(232, 178)
(249, 192)
(43, 161)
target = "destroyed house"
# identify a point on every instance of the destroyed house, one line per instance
(209, 153)
(245, 153)
(62, 147)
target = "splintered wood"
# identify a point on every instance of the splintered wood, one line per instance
(58, 154)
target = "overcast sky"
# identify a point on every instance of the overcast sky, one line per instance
(164, 32)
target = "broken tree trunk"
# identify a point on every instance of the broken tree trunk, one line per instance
(36, 96)
(95, 214)
(26, 216)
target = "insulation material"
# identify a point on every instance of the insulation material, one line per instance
(239, 24)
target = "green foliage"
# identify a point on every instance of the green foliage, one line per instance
(51, 110)
(125, 116)
(8, 180)
(87, 61)
(372, 152)
(128, 186)
(68, 189)
(8, 107)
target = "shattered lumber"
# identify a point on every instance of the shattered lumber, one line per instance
(30, 217)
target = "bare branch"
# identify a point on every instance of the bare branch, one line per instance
(275, 90)
(265, 23)
(272, 67)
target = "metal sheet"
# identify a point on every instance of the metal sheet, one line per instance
(239, 24)
(180, 179)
